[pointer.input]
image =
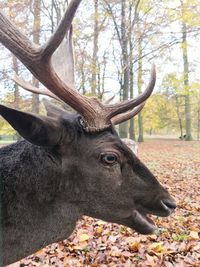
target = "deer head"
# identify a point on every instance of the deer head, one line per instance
(98, 173)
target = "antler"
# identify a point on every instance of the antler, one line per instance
(29, 87)
(128, 115)
(38, 59)
(63, 63)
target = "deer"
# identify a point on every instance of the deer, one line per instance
(69, 164)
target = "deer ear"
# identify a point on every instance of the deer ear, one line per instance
(38, 130)
(53, 110)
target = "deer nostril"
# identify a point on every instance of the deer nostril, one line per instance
(169, 204)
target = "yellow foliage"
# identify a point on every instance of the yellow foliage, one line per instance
(144, 5)
(190, 12)
(5, 128)
(158, 112)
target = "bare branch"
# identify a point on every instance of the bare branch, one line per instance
(109, 100)
(63, 27)
(126, 105)
(109, 9)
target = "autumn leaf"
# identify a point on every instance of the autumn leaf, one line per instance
(84, 237)
(157, 248)
(134, 247)
(194, 235)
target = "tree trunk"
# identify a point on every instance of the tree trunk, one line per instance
(131, 88)
(132, 122)
(100, 94)
(36, 40)
(179, 117)
(139, 80)
(16, 91)
(198, 124)
(83, 80)
(103, 75)
(123, 128)
(95, 50)
(186, 84)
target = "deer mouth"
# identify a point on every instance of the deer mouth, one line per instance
(142, 223)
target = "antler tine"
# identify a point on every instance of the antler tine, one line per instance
(128, 115)
(130, 104)
(29, 87)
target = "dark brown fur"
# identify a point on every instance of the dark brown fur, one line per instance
(51, 180)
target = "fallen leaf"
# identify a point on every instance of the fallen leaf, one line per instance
(194, 235)
(157, 248)
(84, 237)
(134, 247)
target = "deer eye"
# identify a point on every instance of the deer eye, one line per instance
(109, 158)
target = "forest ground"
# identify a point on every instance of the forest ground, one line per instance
(176, 243)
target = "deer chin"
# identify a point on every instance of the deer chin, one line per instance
(142, 223)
